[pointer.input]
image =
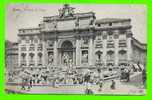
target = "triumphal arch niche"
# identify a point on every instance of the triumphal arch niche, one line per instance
(67, 51)
(69, 37)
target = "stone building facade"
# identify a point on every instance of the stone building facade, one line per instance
(79, 40)
(11, 56)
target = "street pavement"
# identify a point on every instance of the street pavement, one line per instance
(134, 87)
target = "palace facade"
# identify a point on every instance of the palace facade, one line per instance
(81, 41)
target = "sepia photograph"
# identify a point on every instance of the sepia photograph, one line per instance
(87, 49)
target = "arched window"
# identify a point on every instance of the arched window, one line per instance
(122, 55)
(40, 56)
(67, 45)
(98, 56)
(31, 56)
(23, 55)
(110, 55)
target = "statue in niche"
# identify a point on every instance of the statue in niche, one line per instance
(65, 59)
(70, 62)
(85, 40)
(51, 59)
(84, 57)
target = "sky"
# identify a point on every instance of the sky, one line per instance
(30, 15)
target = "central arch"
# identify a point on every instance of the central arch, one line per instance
(67, 45)
(67, 53)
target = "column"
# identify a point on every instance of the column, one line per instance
(27, 55)
(116, 36)
(27, 59)
(78, 52)
(19, 55)
(44, 53)
(116, 52)
(129, 49)
(55, 53)
(59, 57)
(74, 57)
(129, 46)
(36, 55)
(91, 51)
(104, 48)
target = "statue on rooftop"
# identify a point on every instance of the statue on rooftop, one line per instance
(66, 11)
(77, 22)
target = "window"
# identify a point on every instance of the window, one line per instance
(110, 35)
(98, 56)
(98, 36)
(122, 36)
(32, 48)
(23, 48)
(122, 55)
(23, 56)
(40, 47)
(84, 56)
(110, 55)
(39, 57)
(31, 56)
(110, 45)
(85, 41)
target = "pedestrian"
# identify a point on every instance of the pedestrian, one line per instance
(128, 75)
(30, 81)
(144, 77)
(100, 85)
(88, 89)
(29, 84)
(113, 85)
(23, 84)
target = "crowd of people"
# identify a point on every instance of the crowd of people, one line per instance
(32, 77)
(29, 79)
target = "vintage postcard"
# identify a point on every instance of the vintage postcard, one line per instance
(76, 49)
